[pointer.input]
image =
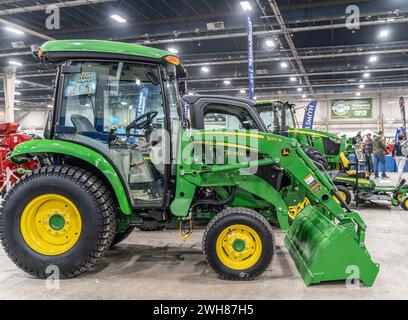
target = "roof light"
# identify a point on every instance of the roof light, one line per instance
(293, 79)
(191, 93)
(361, 86)
(373, 59)
(18, 81)
(304, 96)
(172, 50)
(118, 18)
(284, 64)
(17, 101)
(17, 93)
(173, 60)
(242, 91)
(366, 75)
(255, 98)
(138, 82)
(14, 30)
(358, 94)
(50, 106)
(227, 82)
(124, 103)
(15, 63)
(246, 6)
(270, 43)
(384, 33)
(299, 89)
(17, 109)
(205, 69)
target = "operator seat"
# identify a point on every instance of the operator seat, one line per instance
(82, 123)
(346, 164)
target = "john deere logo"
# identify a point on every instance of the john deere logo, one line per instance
(285, 152)
(341, 108)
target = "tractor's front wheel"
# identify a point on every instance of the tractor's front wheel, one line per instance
(239, 244)
(404, 203)
(57, 220)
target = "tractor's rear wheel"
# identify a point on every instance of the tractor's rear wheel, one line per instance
(316, 156)
(344, 193)
(57, 217)
(239, 244)
(404, 203)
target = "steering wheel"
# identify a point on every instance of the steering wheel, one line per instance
(142, 122)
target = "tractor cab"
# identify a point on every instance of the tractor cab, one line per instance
(126, 110)
(278, 116)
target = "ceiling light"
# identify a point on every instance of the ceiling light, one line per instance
(17, 101)
(293, 79)
(242, 91)
(138, 82)
(227, 82)
(205, 69)
(17, 93)
(17, 109)
(284, 64)
(299, 89)
(246, 6)
(304, 96)
(358, 94)
(50, 106)
(13, 30)
(373, 59)
(118, 18)
(361, 86)
(384, 33)
(15, 63)
(270, 43)
(255, 97)
(124, 103)
(191, 93)
(18, 81)
(366, 75)
(172, 50)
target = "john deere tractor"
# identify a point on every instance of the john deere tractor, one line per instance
(322, 147)
(122, 150)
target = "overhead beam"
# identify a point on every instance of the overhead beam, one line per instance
(60, 4)
(25, 30)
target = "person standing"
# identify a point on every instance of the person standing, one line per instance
(399, 156)
(379, 149)
(368, 153)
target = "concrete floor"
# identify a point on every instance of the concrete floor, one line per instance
(159, 265)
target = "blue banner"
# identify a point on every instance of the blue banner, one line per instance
(251, 68)
(309, 115)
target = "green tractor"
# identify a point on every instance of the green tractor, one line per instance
(122, 151)
(322, 147)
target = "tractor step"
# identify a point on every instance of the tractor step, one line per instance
(324, 251)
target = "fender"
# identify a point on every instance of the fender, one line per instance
(80, 152)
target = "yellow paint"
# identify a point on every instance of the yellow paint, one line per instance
(239, 260)
(308, 133)
(224, 144)
(295, 210)
(39, 234)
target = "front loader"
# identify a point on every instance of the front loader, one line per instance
(122, 151)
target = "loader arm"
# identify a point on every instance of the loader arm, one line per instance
(324, 240)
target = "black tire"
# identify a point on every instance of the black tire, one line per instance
(119, 237)
(404, 203)
(94, 203)
(240, 216)
(346, 192)
(316, 156)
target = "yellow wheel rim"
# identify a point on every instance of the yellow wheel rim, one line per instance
(239, 247)
(400, 196)
(51, 224)
(342, 195)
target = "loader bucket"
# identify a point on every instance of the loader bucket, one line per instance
(324, 251)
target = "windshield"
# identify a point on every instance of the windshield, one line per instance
(278, 118)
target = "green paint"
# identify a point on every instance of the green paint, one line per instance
(238, 245)
(323, 251)
(112, 47)
(57, 222)
(80, 152)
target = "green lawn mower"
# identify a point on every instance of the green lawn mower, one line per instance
(356, 184)
(322, 147)
(122, 151)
